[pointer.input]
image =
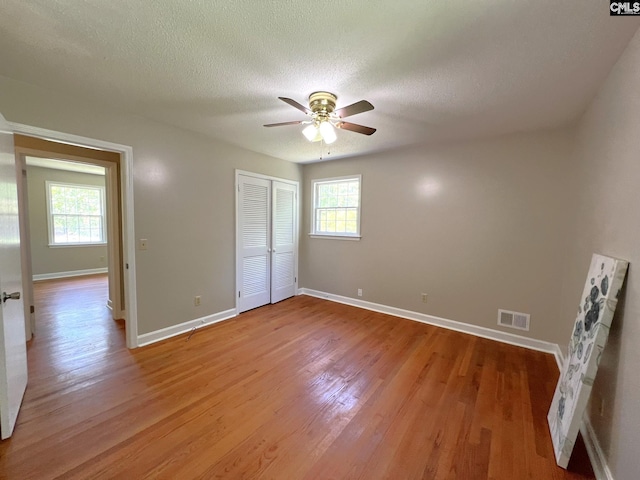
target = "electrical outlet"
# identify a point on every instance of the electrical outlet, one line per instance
(359, 292)
(196, 300)
(424, 298)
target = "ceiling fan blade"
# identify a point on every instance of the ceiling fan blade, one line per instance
(298, 122)
(354, 127)
(354, 109)
(295, 104)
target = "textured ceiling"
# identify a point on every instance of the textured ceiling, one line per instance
(435, 70)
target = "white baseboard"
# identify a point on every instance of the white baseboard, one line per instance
(72, 273)
(483, 332)
(594, 450)
(164, 333)
(559, 356)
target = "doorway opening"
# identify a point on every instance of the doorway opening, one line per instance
(111, 259)
(66, 210)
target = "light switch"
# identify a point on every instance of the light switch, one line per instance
(143, 244)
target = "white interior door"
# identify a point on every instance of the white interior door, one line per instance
(13, 350)
(253, 282)
(283, 241)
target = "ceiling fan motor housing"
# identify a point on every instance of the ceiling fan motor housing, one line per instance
(322, 103)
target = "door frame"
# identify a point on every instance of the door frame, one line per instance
(25, 247)
(237, 203)
(130, 313)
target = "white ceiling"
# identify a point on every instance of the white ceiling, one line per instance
(64, 165)
(435, 70)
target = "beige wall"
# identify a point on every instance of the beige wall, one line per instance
(59, 259)
(477, 226)
(183, 195)
(607, 175)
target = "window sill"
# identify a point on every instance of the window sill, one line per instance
(337, 237)
(67, 245)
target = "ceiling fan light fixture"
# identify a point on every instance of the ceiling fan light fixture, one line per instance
(312, 133)
(327, 132)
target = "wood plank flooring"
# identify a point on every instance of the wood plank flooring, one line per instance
(304, 389)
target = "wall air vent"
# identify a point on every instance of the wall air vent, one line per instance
(517, 320)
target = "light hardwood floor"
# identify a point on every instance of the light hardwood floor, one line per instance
(305, 389)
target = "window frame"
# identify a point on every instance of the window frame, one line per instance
(335, 235)
(103, 216)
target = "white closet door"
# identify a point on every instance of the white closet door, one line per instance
(283, 241)
(254, 227)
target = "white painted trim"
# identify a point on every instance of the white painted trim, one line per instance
(559, 357)
(172, 331)
(103, 215)
(483, 332)
(314, 184)
(71, 273)
(355, 238)
(77, 245)
(126, 168)
(247, 173)
(596, 455)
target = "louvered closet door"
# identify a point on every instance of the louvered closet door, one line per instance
(254, 218)
(283, 243)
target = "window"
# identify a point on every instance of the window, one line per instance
(76, 214)
(336, 207)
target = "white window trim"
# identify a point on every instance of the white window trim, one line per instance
(335, 236)
(101, 189)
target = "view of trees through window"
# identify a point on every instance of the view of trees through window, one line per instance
(76, 214)
(336, 207)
